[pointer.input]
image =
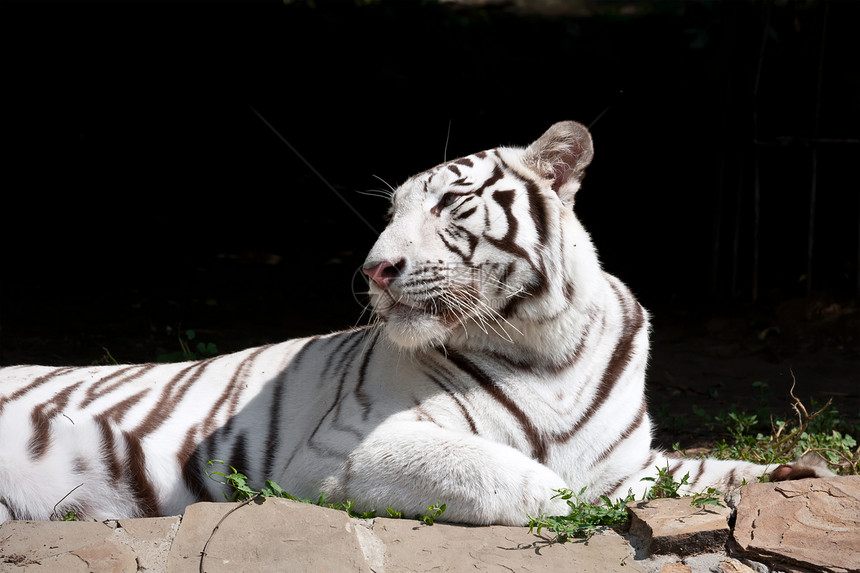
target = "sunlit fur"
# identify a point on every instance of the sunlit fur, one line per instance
(502, 363)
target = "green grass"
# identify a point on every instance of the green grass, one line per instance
(584, 518)
(821, 430)
(237, 483)
(666, 487)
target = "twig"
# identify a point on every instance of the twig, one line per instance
(64, 497)
(211, 535)
(803, 420)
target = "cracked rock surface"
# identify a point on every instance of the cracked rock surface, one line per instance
(802, 526)
(810, 524)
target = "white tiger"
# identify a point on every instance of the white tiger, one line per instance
(504, 364)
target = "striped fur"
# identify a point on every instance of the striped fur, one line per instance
(503, 363)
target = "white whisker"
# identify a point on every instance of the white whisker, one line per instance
(381, 193)
(387, 184)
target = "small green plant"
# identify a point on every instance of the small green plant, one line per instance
(393, 513)
(738, 424)
(237, 483)
(584, 518)
(70, 514)
(708, 497)
(821, 431)
(186, 352)
(665, 485)
(433, 512)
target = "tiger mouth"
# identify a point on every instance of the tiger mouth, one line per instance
(449, 308)
(405, 306)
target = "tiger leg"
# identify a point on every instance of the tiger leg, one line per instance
(409, 466)
(722, 475)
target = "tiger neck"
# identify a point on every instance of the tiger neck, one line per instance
(551, 344)
(548, 333)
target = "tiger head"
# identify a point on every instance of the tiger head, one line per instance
(484, 247)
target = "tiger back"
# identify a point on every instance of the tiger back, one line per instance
(502, 364)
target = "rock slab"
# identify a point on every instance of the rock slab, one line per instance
(809, 524)
(280, 534)
(81, 547)
(661, 526)
(283, 535)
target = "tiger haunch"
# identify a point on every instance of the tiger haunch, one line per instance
(504, 364)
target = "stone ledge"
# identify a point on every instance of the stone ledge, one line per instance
(802, 526)
(279, 534)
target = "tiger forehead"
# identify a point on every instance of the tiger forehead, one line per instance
(459, 175)
(460, 172)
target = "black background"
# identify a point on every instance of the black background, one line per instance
(141, 194)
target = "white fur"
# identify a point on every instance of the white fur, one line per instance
(504, 364)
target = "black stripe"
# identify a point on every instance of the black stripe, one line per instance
(296, 360)
(41, 436)
(107, 448)
(168, 401)
(441, 384)
(229, 396)
(633, 321)
(628, 431)
(537, 209)
(466, 214)
(451, 247)
(538, 447)
(360, 396)
(700, 471)
(239, 456)
(491, 180)
(460, 232)
(124, 375)
(117, 411)
(41, 417)
(614, 488)
(141, 488)
(557, 367)
(732, 478)
(34, 384)
(193, 467)
(344, 370)
(274, 432)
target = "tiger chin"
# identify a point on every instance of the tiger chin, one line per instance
(524, 373)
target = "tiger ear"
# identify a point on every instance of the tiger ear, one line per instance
(562, 154)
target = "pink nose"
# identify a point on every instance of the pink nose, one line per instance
(381, 273)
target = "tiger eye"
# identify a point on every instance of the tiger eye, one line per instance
(448, 199)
